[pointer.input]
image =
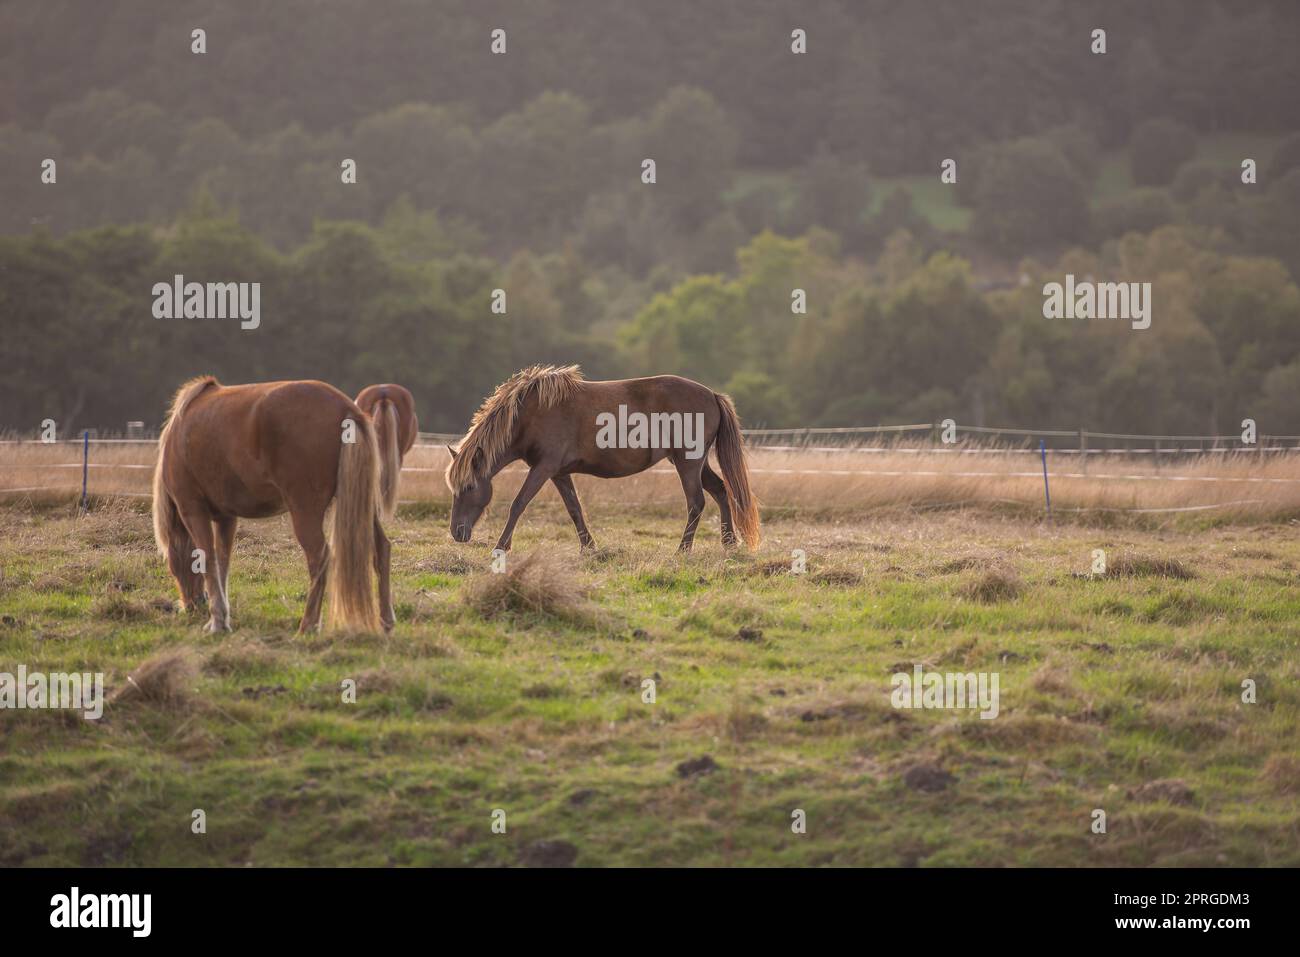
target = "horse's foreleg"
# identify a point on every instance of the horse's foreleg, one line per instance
(536, 478)
(689, 472)
(383, 570)
(564, 483)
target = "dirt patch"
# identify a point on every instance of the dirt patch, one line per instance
(548, 854)
(704, 764)
(849, 711)
(928, 777)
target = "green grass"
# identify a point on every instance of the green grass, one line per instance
(1107, 685)
(932, 199)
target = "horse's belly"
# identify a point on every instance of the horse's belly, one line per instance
(621, 464)
(232, 495)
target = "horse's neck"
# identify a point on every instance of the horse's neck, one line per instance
(505, 458)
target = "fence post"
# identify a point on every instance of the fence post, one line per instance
(85, 469)
(1047, 491)
(1083, 450)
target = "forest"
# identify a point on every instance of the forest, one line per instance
(777, 174)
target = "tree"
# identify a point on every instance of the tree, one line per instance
(1028, 196)
(693, 143)
(1158, 147)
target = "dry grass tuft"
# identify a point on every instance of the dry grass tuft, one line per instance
(241, 656)
(1282, 771)
(1164, 791)
(1053, 680)
(964, 564)
(445, 564)
(995, 585)
(837, 576)
(164, 681)
(531, 585)
(116, 606)
(1144, 566)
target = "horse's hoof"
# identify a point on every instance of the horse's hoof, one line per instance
(212, 627)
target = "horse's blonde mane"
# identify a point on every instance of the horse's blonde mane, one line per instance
(493, 426)
(184, 396)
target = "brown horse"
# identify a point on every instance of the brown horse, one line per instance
(561, 424)
(253, 451)
(392, 408)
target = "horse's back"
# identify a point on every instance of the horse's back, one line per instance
(250, 447)
(571, 430)
(660, 393)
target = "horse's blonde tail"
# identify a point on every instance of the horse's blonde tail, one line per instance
(735, 473)
(390, 455)
(169, 532)
(352, 603)
(164, 509)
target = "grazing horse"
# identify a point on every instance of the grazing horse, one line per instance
(253, 451)
(561, 424)
(392, 409)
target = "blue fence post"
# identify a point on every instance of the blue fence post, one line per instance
(1047, 491)
(85, 468)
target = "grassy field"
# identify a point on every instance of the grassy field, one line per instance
(523, 692)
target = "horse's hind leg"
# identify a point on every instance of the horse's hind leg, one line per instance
(383, 570)
(226, 526)
(564, 483)
(179, 562)
(714, 485)
(688, 470)
(198, 522)
(309, 529)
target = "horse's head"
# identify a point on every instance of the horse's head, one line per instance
(468, 504)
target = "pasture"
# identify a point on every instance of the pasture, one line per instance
(523, 691)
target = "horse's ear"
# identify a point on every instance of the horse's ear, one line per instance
(452, 451)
